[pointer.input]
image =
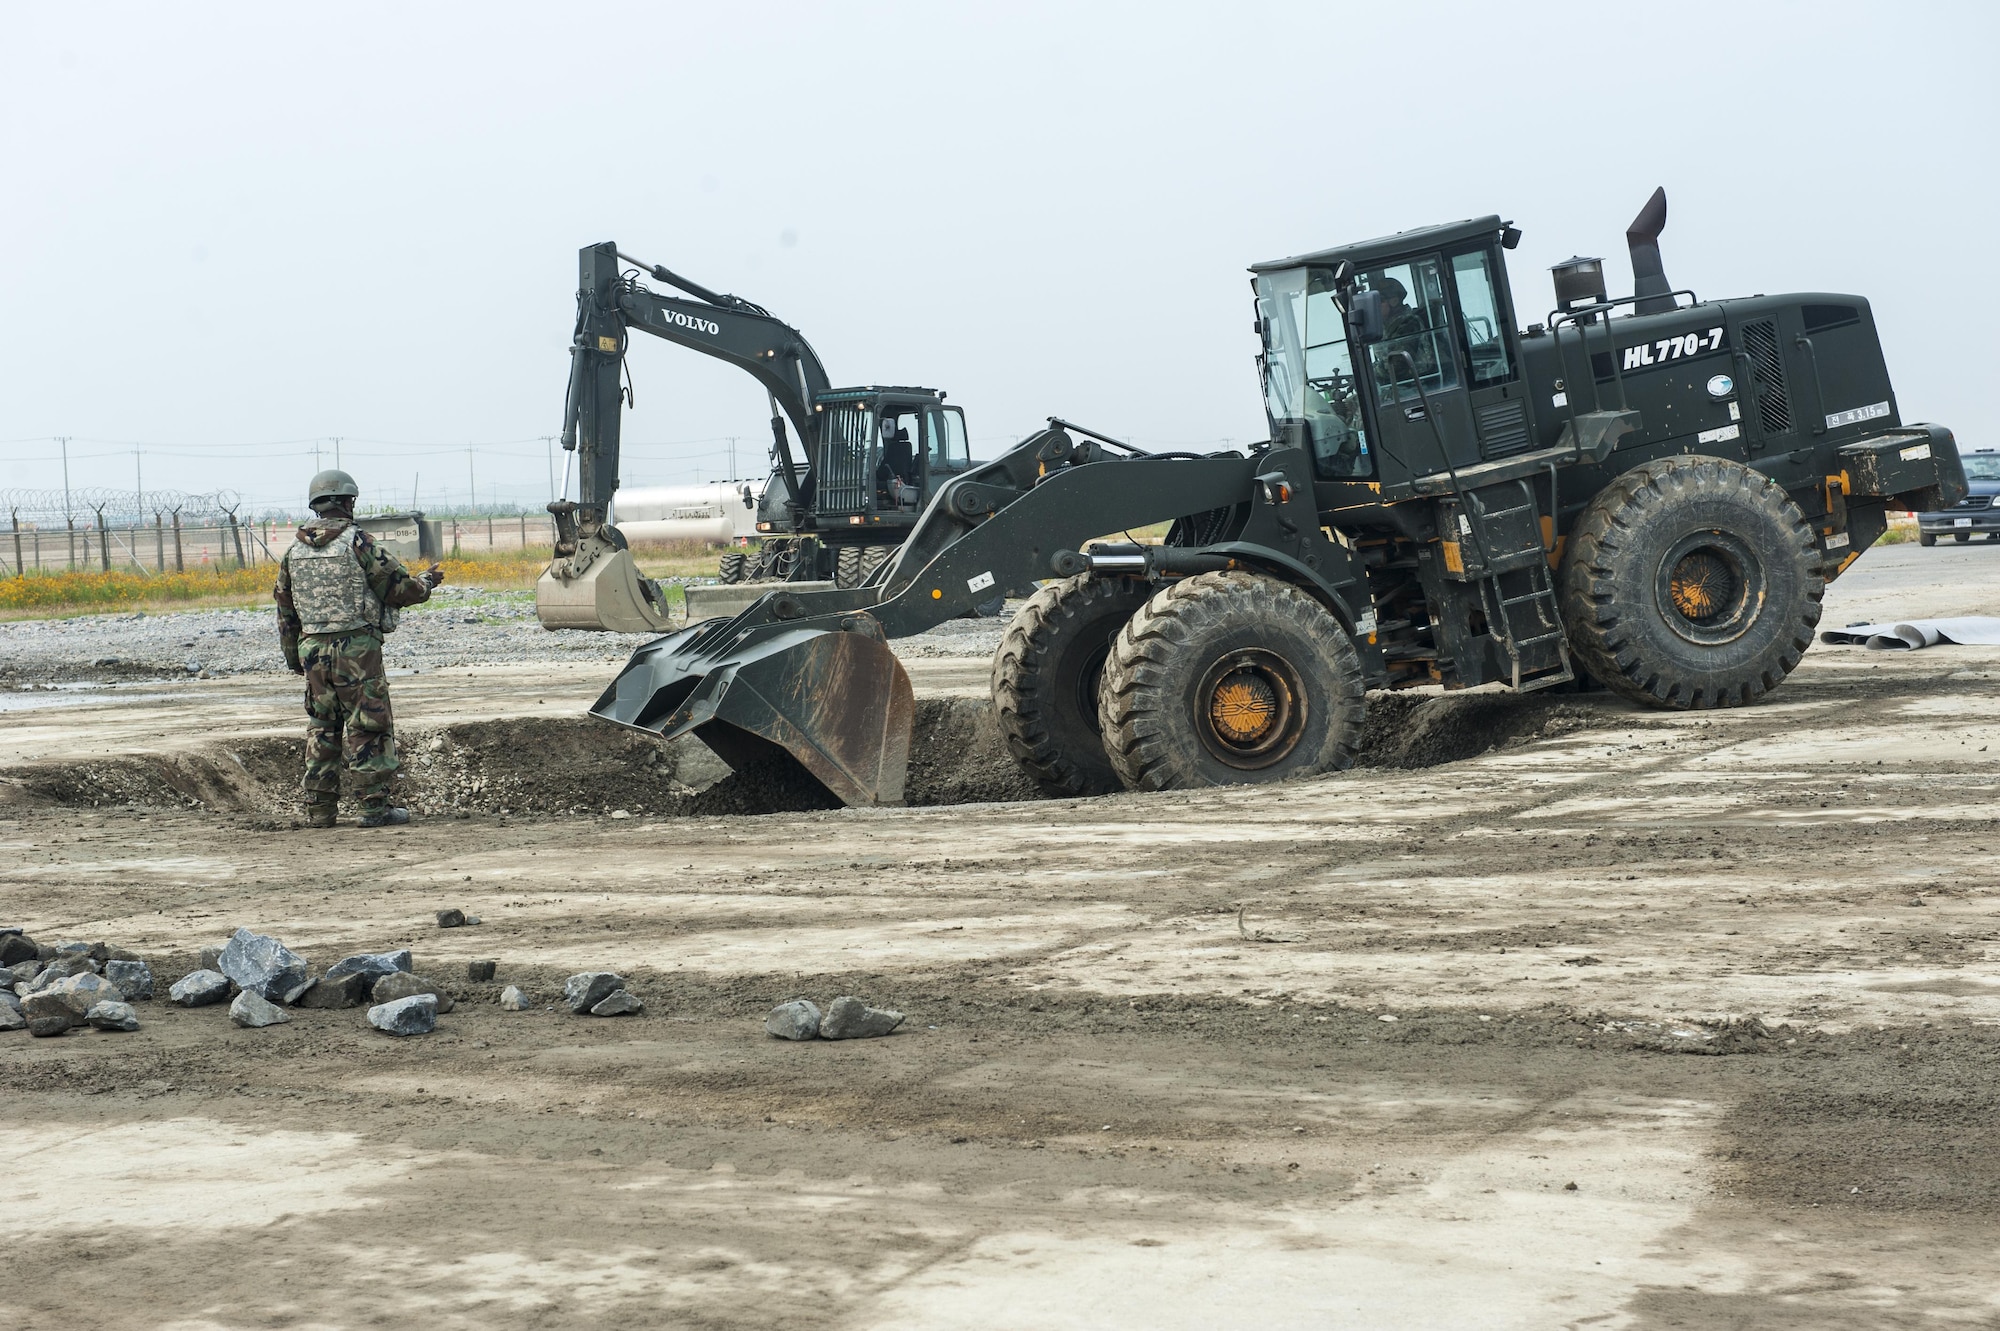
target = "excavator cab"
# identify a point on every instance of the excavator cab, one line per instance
(882, 452)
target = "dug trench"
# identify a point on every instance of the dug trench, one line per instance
(578, 766)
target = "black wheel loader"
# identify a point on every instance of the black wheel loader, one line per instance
(870, 457)
(1649, 491)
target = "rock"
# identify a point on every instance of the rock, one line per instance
(252, 1009)
(472, 919)
(17, 948)
(415, 1015)
(339, 991)
(6, 980)
(11, 1016)
(133, 978)
(119, 954)
(617, 1003)
(78, 993)
(211, 959)
(110, 1016)
(199, 989)
(43, 1027)
(852, 1019)
(512, 999)
(450, 919)
(370, 964)
(390, 988)
(260, 963)
(796, 1020)
(584, 992)
(480, 970)
(25, 971)
(73, 963)
(49, 1008)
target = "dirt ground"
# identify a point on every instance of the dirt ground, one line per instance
(1556, 1014)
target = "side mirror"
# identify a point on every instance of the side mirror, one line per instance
(1364, 317)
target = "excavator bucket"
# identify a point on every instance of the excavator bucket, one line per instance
(609, 594)
(834, 698)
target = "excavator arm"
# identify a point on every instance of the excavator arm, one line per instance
(593, 582)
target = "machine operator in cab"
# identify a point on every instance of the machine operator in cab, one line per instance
(338, 593)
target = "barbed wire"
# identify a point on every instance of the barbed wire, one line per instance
(57, 508)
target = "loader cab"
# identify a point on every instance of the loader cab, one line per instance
(1426, 377)
(881, 453)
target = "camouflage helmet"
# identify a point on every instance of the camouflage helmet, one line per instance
(332, 484)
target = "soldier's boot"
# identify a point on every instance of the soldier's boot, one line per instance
(378, 810)
(322, 812)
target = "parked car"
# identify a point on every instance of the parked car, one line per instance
(1979, 511)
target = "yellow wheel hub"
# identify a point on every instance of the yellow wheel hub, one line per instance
(1700, 585)
(1243, 708)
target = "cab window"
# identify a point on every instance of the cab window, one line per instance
(945, 447)
(1488, 359)
(1309, 374)
(1416, 326)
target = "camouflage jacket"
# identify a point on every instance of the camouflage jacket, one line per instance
(393, 584)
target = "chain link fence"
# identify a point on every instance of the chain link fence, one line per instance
(162, 531)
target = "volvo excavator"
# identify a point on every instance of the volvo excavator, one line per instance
(1650, 491)
(868, 457)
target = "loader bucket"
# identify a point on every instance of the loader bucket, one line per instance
(609, 594)
(836, 699)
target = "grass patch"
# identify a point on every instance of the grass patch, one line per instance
(40, 595)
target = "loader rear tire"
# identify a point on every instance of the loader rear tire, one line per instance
(731, 568)
(1230, 679)
(1690, 583)
(1045, 679)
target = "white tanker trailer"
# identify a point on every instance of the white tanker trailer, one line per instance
(716, 512)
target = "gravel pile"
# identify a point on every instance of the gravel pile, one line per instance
(459, 626)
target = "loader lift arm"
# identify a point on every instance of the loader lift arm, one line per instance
(810, 673)
(593, 582)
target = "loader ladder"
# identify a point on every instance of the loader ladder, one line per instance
(1507, 529)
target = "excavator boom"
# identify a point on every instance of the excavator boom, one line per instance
(593, 582)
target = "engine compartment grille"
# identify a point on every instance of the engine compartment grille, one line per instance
(1774, 404)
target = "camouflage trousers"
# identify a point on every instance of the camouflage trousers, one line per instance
(347, 716)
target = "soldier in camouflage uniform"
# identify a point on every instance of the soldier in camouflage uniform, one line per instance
(338, 592)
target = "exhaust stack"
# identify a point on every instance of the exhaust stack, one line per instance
(1649, 275)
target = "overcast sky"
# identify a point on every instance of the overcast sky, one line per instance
(232, 230)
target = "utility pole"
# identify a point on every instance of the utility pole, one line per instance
(550, 440)
(732, 457)
(139, 479)
(316, 455)
(336, 450)
(471, 486)
(67, 513)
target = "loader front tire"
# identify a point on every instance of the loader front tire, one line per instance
(1045, 679)
(1690, 583)
(1229, 679)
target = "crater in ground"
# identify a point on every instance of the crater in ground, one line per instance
(579, 766)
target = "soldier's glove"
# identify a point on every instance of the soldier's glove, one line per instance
(432, 577)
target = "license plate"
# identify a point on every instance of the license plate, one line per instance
(1961, 522)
